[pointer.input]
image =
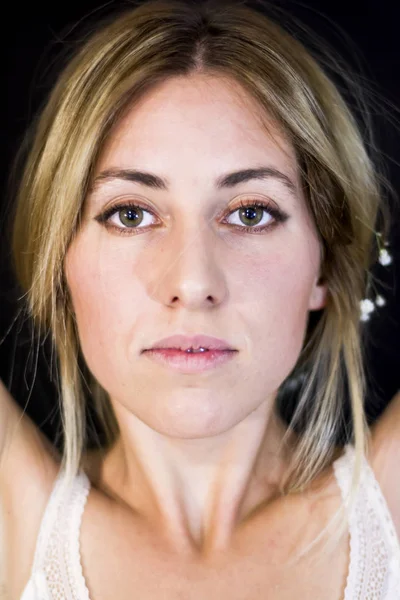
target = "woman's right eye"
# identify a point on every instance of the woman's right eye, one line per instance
(128, 216)
(125, 218)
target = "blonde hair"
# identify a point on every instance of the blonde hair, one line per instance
(116, 65)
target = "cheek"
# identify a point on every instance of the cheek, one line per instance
(282, 282)
(99, 287)
(274, 308)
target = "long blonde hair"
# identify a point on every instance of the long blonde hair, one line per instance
(117, 64)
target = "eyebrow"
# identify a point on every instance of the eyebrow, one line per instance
(229, 180)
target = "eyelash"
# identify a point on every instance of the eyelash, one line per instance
(279, 216)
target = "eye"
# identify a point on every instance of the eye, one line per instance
(126, 218)
(253, 211)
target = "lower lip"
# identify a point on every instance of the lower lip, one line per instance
(190, 362)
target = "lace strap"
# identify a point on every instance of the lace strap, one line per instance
(378, 502)
(343, 469)
(74, 561)
(47, 523)
(374, 559)
(57, 556)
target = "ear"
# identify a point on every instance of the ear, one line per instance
(318, 294)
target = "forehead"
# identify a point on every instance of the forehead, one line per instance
(197, 125)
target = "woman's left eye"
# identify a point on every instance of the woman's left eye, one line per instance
(127, 217)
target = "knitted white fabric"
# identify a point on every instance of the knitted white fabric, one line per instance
(57, 569)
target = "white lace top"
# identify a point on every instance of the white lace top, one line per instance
(374, 569)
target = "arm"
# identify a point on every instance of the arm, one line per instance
(23, 447)
(386, 456)
(28, 466)
(10, 413)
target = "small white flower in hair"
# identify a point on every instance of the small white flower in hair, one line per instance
(384, 257)
(380, 301)
(366, 307)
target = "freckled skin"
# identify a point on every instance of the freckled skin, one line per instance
(192, 274)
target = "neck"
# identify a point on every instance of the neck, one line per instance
(198, 492)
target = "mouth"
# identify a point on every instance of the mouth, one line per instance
(189, 350)
(192, 344)
(188, 361)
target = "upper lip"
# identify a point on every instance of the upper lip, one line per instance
(183, 342)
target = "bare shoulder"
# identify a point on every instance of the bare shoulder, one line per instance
(385, 456)
(29, 466)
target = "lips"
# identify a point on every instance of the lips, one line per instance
(183, 342)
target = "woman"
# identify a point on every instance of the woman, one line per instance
(195, 175)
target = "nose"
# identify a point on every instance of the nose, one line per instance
(191, 274)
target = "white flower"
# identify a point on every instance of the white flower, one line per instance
(384, 257)
(364, 317)
(366, 307)
(380, 301)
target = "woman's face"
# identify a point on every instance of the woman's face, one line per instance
(189, 266)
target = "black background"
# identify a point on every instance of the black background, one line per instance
(34, 35)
